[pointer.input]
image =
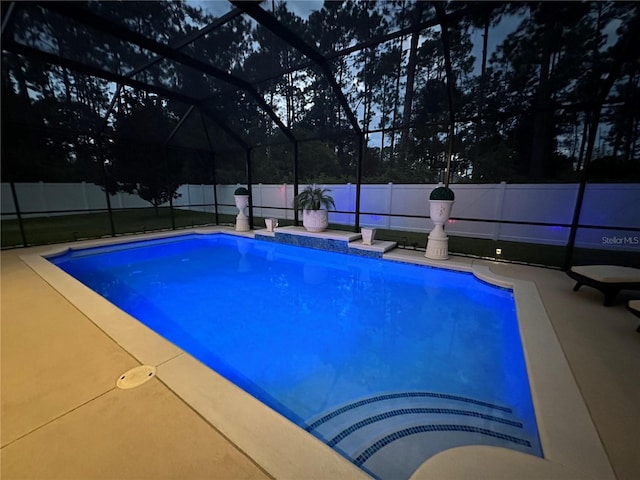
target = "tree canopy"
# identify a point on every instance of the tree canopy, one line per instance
(524, 100)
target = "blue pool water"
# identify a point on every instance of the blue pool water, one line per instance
(388, 363)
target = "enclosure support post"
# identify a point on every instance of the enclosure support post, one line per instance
(296, 180)
(105, 177)
(215, 188)
(166, 157)
(450, 82)
(18, 214)
(568, 259)
(14, 195)
(168, 184)
(213, 168)
(249, 181)
(359, 180)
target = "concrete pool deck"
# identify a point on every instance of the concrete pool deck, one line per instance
(61, 407)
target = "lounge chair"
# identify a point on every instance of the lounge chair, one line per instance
(634, 307)
(609, 279)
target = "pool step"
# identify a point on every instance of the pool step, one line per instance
(390, 435)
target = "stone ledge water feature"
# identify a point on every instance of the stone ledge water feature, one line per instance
(331, 240)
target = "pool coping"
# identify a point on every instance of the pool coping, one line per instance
(570, 443)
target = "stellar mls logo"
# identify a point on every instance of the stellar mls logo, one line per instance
(621, 240)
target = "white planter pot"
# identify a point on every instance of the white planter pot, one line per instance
(368, 235)
(271, 224)
(242, 221)
(440, 211)
(315, 220)
(438, 243)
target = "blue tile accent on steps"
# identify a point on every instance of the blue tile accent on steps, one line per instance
(408, 411)
(388, 396)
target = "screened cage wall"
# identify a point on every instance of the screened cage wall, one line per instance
(121, 117)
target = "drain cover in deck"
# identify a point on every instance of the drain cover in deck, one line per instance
(136, 376)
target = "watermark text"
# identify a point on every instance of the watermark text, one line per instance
(621, 240)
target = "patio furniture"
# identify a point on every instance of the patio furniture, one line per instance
(634, 307)
(609, 279)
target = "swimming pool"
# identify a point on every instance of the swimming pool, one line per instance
(368, 367)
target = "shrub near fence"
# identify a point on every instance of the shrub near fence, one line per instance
(531, 213)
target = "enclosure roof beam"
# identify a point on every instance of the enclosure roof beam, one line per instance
(182, 43)
(85, 17)
(179, 124)
(6, 16)
(225, 128)
(272, 24)
(112, 104)
(52, 58)
(90, 19)
(18, 48)
(189, 39)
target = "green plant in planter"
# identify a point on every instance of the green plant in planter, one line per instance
(442, 193)
(241, 191)
(313, 198)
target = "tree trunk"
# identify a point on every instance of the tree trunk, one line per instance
(543, 117)
(481, 94)
(409, 89)
(396, 97)
(631, 124)
(411, 75)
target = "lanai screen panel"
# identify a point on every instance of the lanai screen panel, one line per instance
(40, 28)
(282, 67)
(223, 44)
(298, 95)
(165, 22)
(176, 77)
(146, 172)
(243, 113)
(50, 120)
(266, 55)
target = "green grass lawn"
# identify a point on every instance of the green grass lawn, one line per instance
(66, 228)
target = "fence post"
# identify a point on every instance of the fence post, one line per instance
(286, 201)
(389, 204)
(498, 211)
(85, 200)
(43, 197)
(16, 207)
(352, 205)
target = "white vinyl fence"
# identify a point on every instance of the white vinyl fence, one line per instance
(396, 207)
